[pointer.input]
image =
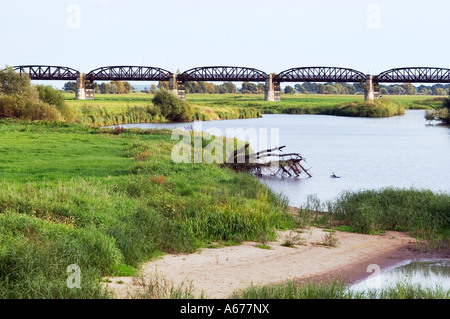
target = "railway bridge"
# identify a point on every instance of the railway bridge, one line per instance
(85, 82)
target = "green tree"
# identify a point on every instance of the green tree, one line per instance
(409, 89)
(163, 85)
(70, 86)
(230, 87)
(49, 95)
(104, 88)
(127, 87)
(171, 107)
(330, 89)
(153, 89)
(289, 90)
(12, 82)
(438, 91)
(320, 88)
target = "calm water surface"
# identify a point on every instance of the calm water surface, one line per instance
(430, 273)
(402, 152)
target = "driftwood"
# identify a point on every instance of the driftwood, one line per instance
(279, 164)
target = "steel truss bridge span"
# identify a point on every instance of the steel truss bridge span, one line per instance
(223, 73)
(85, 83)
(320, 74)
(232, 73)
(45, 72)
(414, 75)
(128, 73)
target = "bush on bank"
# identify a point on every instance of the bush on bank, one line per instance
(376, 108)
(422, 213)
(441, 114)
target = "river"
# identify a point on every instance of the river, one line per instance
(366, 153)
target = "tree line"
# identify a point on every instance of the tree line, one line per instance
(358, 88)
(124, 87)
(113, 87)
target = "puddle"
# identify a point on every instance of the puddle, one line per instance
(429, 273)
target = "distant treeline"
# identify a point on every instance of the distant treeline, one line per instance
(123, 87)
(113, 87)
(358, 88)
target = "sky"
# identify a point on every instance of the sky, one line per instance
(369, 36)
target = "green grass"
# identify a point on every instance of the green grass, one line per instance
(73, 194)
(336, 289)
(422, 213)
(110, 109)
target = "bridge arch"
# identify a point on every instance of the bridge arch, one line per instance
(128, 73)
(415, 74)
(320, 74)
(223, 73)
(47, 72)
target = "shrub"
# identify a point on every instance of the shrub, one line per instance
(422, 213)
(441, 114)
(12, 82)
(53, 97)
(173, 108)
(12, 106)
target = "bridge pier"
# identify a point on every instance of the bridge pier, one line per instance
(371, 89)
(85, 88)
(177, 87)
(273, 91)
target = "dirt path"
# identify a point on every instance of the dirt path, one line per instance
(221, 271)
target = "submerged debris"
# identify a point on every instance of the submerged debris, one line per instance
(279, 163)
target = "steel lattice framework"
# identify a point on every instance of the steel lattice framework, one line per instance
(129, 73)
(415, 74)
(320, 74)
(233, 73)
(223, 73)
(46, 72)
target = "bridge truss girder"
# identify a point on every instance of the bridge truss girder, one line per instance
(414, 75)
(320, 74)
(223, 73)
(128, 73)
(46, 72)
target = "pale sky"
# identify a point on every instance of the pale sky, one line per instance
(271, 35)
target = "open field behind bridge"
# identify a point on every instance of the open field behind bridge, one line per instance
(109, 109)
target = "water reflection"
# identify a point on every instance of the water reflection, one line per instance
(400, 152)
(429, 273)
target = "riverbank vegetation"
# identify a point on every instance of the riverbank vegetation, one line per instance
(106, 200)
(441, 113)
(139, 108)
(336, 289)
(423, 214)
(71, 194)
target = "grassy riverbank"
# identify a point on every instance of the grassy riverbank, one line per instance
(72, 194)
(109, 109)
(105, 201)
(338, 290)
(421, 213)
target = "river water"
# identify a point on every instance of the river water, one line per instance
(428, 273)
(366, 153)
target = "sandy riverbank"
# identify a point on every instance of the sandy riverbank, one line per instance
(218, 272)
